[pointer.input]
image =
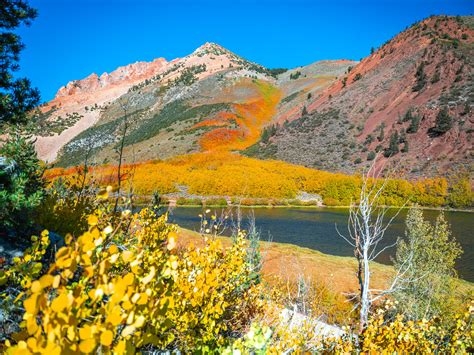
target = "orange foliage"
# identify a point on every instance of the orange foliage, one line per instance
(249, 117)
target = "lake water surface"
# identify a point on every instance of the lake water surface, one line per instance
(314, 228)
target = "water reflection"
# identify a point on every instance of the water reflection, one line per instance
(315, 229)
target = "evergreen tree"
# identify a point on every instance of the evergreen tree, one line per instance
(371, 155)
(405, 147)
(268, 132)
(444, 122)
(414, 124)
(369, 139)
(427, 285)
(393, 146)
(265, 136)
(408, 115)
(381, 135)
(17, 97)
(21, 189)
(21, 183)
(403, 136)
(420, 77)
(304, 112)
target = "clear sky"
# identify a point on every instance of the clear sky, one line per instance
(70, 39)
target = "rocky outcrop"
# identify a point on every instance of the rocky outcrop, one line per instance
(126, 75)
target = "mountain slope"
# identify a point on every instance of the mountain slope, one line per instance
(399, 89)
(210, 100)
(409, 102)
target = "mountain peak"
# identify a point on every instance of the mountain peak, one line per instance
(211, 48)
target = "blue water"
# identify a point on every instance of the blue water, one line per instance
(315, 229)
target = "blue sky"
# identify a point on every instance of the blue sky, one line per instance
(72, 38)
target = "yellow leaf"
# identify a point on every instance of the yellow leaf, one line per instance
(171, 241)
(127, 256)
(32, 344)
(57, 280)
(60, 303)
(103, 195)
(113, 249)
(30, 304)
(85, 332)
(149, 277)
(92, 220)
(114, 317)
(120, 348)
(128, 330)
(71, 334)
(128, 279)
(87, 346)
(31, 325)
(139, 321)
(135, 297)
(106, 338)
(36, 287)
(46, 280)
(130, 317)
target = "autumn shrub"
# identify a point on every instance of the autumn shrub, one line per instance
(15, 276)
(329, 201)
(397, 335)
(461, 194)
(313, 299)
(381, 336)
(228, 174)
(65, 207)
(253, 202)
(297, 202)
(123, 286)
(183, 201)
(216, 202)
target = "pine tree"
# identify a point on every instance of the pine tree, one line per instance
(420, 77)
(403, 136)
(23, 189)
(405, 147)
(17, 97)
(381, 135)
(444, 122)
(393, 146)
(371, 155)
(414, 124)
(304, 112)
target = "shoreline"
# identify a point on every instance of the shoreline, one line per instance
(444, 209)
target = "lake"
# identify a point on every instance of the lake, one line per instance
(314, 228)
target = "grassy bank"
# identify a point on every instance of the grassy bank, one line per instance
(286, 263)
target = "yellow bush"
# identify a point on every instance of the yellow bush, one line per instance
(125, 286)
(229, 174)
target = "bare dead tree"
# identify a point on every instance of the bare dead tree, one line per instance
(366, 229)
(125, 126)
(85, 169)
